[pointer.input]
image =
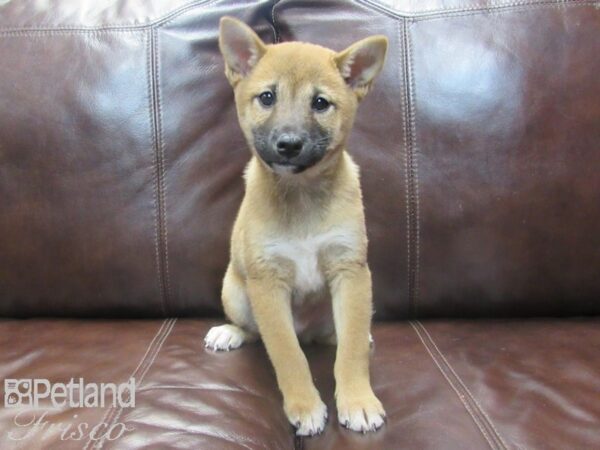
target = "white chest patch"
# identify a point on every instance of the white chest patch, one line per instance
(304, 254)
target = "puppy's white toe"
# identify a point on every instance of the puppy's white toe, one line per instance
(362, 415)
(309, 422)
(225, 337)
(362, 421)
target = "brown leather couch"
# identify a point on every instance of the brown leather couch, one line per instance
(120, 174)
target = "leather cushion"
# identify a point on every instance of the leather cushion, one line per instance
(450, 384)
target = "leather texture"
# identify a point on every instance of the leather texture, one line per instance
(121, 155)
(120, 175)
(501, 384)
(121, 159)
(476, 153)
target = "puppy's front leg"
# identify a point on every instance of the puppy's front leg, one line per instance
(271, 305)
(358, 408)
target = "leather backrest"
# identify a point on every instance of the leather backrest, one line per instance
(121, 156)
(479, 149)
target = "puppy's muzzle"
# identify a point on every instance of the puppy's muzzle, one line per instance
(290, 149)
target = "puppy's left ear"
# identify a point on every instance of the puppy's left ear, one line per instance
(360, 63)
(241, 48)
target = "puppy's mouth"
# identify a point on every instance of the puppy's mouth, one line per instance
(287, 168)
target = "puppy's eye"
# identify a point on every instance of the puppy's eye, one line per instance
(267, 98)
(320, 104)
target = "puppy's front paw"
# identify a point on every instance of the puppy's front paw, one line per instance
(363, 412)
(224, 337)
(308, 414)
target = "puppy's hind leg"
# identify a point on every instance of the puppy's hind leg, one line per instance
(237, 308)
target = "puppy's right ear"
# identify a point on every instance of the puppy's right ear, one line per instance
(241, 48)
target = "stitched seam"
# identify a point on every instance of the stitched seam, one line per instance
(170, 18)
(411, 174)
(104, 417)
(431, 14)
(477, 8)
(476, 407)
(65, 32)
(460, 395)
(166, 18)
(464, 386)
(156, 172)
(401, 25)
(155, 387)
(109, 415)
(414, 171)
(143, 363)
(149, 361)
(112, 417)
(163, 185)
(533, 7)
(276, 35)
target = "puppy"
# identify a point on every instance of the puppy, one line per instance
(298, 268)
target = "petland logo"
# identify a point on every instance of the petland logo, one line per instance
(29, 392)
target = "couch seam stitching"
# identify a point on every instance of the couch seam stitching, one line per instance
(430, 13)
(531, 7)
(169, 17)
(143, 362)
(461, 396)
(161, 20)
(163, 190)
(401, 25)
(415, 171)
(412, 174)
(276, 35)
(148, 364)
(155, 170)
(67, 31)
(473, 398)
(109, 410)
(112, 416)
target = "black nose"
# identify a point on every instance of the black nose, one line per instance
(289, 145)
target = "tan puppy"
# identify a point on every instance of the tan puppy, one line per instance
(298, 264)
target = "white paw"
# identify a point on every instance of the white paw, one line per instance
(308, 421)
(224, 337)
(361, 415)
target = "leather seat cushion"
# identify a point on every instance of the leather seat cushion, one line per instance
(450, 384)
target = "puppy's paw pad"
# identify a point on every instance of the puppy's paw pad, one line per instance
(309, 420)
(224, 337)
(362, 415)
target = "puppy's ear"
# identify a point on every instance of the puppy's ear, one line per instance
(240, 46)
(360, 63)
